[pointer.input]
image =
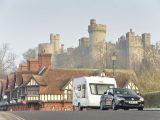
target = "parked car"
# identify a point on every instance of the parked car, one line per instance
(121, 98)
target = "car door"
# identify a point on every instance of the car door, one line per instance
(109, 97)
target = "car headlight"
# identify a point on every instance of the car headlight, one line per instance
(141, 99)
(120, 98)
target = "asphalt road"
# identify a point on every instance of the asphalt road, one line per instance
(89, 115)
(9, 116)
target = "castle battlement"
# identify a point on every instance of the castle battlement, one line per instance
(55, 37)
(97, 28)
(93, 27)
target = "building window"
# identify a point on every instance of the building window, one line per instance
(69, 94)
(46, 97)
(59, 97)
(32, 90)
(52, 97)
(49, 97)
(43, 97)
(65, 94)
(55, 97)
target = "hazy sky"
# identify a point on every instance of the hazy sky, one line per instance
(26, 23)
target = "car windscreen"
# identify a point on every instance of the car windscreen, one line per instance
(99, 89)
(124, 92)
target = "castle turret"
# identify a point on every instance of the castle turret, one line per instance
(134, 50)
(84, 42)
(44, 48)
(97, 35)
(146, 39)
(55, 42)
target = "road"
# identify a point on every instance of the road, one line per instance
(9, 116)
(84, 115)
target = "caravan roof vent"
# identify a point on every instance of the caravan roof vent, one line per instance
(103, 74)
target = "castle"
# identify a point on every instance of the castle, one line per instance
(95, 52)
(131, 49)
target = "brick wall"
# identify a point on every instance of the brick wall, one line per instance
(22, 107)
(59, 106)
(45, 106)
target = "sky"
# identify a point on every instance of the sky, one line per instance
(26, 23)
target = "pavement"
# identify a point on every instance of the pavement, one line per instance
(9, 116)
(152, 109)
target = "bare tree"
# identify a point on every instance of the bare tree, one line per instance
(7, 58)
(149, 73)
(101, 52)
(30, 53)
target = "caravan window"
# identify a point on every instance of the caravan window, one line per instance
(93, 88)
(99, 89)
(79, 87)
(83, 86)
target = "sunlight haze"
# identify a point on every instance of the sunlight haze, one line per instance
(26, 23)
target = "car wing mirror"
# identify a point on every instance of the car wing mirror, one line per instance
(139, 94)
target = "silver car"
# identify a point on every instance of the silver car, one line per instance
(121, 98)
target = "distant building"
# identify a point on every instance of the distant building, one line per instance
(95, 52)
(91, 51)
(131, 49)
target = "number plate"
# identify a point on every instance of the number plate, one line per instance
(133, 102)
(108, 102)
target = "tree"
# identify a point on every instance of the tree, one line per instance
(149, 73)
(7, 58)
(30, 54)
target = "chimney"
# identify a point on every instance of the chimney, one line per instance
(33, 65)
(44, 60)
(23, 67)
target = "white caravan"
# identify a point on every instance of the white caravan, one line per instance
(88, 90)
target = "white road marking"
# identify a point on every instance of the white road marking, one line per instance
(12, 116)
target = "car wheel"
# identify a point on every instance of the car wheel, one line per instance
(141, 108)
(79, 107)
(114, 107)
(126, 109)
(101, 106)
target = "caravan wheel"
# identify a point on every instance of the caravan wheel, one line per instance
(80, 108)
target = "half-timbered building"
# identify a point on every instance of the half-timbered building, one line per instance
(37, 86)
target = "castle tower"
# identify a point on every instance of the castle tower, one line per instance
(97, 35)
(146, 40)
(122, 52)
(44, 48)
(84, 42)
(55, 42)
(55, 46)
(134, 50)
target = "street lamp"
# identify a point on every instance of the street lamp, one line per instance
(114, 58)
